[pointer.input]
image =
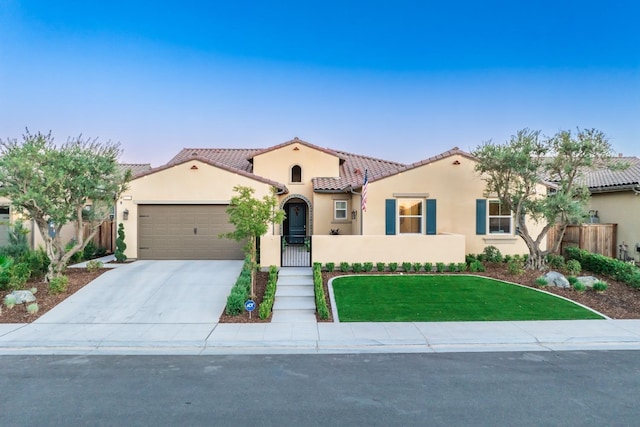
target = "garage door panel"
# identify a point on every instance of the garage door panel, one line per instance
(185, 232)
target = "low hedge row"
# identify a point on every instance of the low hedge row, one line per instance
(614, 268)
(266, 306)
(321, 301)
(427, 267)
(240, 290)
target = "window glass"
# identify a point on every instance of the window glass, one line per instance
(296, 174)
(410, 213)
(340, 209)
(499, 218)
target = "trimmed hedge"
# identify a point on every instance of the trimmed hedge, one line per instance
(266, 306)
(614, 268)
(240, 291)
(321, 301)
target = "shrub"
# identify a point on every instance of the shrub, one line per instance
(572, 280)
(541, 281)
(32, 308)
(356, 267)
(469, 258)
(573, 266)
(18, 244)
(330, 266)
(452, 267)
(19, 273)
(393, 266)
(367, 266)
(614, 268)
(515, 267)
(344, 267)
(75, 258)
(417, 266)
(462, 266)
(240, 290)
(476, 266)
(38, 262)
(492, 254)
(428, 267)
(406, 266)
(120, 245)
(600, 286)
(440, 267)
(10, 301)
(321, 300)
(555, 261)
(506, 258)
(89, 251)
(266, 307)
(94, 265)
(578, 286)
(380, 266)
(58, 285)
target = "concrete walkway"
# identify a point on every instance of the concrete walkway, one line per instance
(313, 338)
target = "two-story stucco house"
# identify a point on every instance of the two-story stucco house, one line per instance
(429, 211)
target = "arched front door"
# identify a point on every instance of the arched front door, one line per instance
(296, 222)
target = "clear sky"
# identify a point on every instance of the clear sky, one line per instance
(400, 80)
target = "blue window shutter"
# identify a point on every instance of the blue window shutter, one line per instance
(390, 216)
(431, 216)
(481, 216)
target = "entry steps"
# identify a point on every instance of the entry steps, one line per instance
(295, 301)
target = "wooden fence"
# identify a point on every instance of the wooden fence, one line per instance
(596, 238)
(105, 238)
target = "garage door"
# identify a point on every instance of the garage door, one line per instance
(185, 232)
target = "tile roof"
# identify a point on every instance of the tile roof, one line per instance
(602, 180)
(136, 168)
(352, 166)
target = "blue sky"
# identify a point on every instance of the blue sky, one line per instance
(401, 80)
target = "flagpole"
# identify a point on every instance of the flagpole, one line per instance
(363, 199)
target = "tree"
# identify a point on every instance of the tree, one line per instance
(77, 182)
(251, 218)
(514, 172)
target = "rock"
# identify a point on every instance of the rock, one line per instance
(587, 281)
(23, 296)
(557, 279)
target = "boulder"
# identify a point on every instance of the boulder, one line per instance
(588, 281)
(23, 296)
(557, 279)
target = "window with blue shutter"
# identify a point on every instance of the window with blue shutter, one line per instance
(431, 216)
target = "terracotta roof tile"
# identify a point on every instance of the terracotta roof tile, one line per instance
(611, 180)
(136, 168)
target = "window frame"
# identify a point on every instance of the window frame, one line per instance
(422, 215)
(291, 181)
(336, 209)
(499, 217)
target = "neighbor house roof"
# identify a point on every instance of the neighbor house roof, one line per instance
(604, 179)
(136, 168)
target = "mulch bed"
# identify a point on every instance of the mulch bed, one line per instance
(78, 278)
(259, 287)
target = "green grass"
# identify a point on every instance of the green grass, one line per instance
(446, 298)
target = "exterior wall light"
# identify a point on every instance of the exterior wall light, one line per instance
(125, 214)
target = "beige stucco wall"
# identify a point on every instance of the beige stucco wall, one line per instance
(323, 212)
(180, 184)
(276, 165)
(455, 188)
(622, 208)
(399, 248)
(270, 251)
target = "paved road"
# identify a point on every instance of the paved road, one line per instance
(481, 389)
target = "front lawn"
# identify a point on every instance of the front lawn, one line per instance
(440, 298)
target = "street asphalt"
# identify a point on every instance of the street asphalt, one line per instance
(172, 308)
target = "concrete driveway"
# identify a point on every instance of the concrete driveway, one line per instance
(151, 292)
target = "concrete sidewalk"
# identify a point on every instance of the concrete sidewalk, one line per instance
(315, 338)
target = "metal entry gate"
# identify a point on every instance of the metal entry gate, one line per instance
(295, 251)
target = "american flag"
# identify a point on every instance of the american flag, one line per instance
(364, 190)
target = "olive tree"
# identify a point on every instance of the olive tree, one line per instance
(251, 218)
(75, 183)
(515, 170)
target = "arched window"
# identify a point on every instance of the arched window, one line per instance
(296, 174)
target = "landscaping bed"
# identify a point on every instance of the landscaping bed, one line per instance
(78, 278)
